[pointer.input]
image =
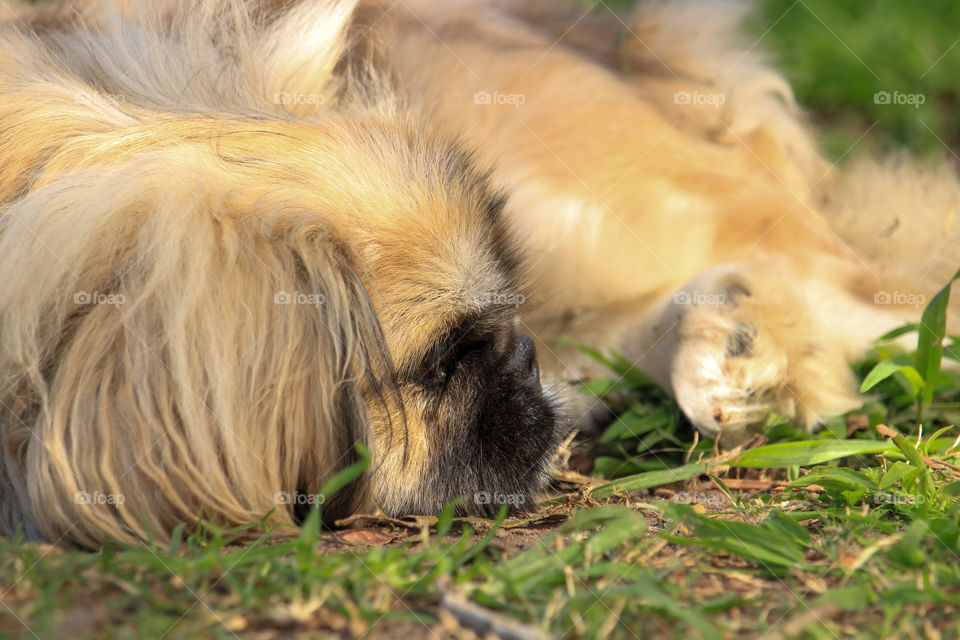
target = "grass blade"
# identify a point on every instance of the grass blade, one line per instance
(649, 479)
(807, 452)
(930, 334)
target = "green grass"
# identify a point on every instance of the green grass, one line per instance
(838, 54)
(842, 534)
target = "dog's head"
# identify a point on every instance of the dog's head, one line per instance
(254, 300)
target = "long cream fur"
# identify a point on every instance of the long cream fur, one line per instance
(141, 253)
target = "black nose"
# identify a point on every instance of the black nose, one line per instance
(523, 359)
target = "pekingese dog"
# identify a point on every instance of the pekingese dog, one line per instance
(238, 238)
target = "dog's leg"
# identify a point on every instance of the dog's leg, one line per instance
(738, 342)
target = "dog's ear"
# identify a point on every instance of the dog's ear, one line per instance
(170, 350)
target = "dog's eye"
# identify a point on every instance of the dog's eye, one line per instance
(438, 365)
(442, 361)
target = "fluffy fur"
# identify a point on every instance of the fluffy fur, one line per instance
(185, 163)
(208, 299)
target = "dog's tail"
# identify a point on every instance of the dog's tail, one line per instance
(897, 213)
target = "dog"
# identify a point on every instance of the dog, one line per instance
(237, 238)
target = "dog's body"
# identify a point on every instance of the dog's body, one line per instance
(678, 213)
(674, 207)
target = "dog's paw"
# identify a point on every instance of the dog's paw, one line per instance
(739, 349)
